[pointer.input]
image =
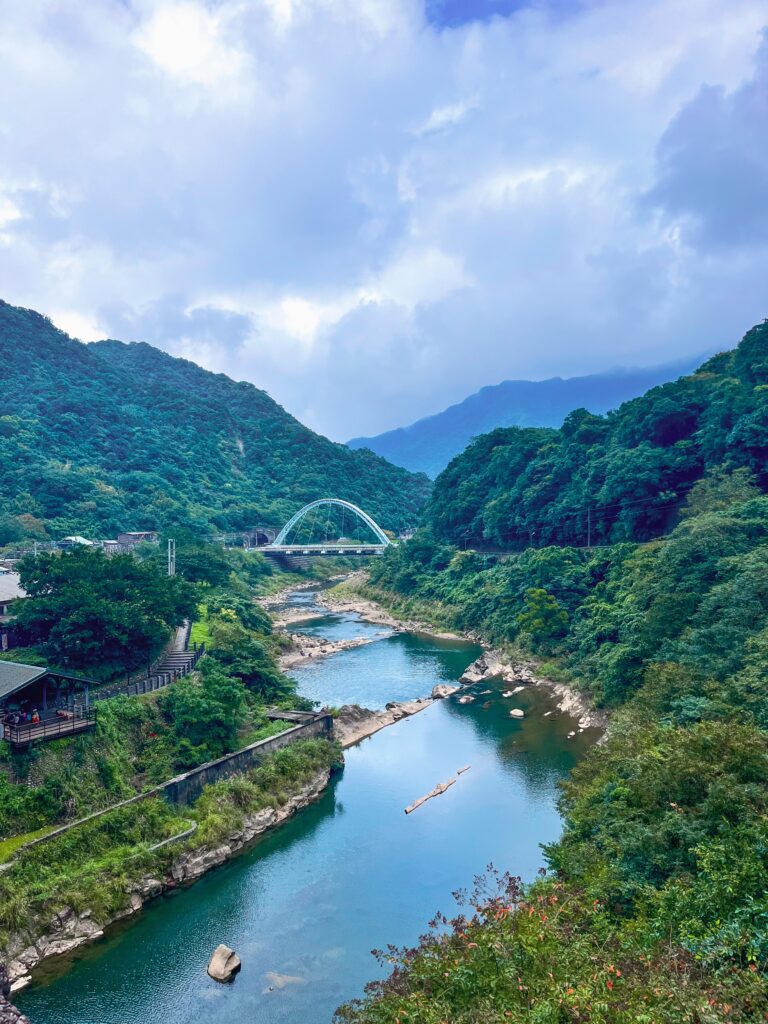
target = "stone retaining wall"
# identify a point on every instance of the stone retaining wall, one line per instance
(184, 789)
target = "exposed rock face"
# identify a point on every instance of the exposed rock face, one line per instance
(191, 866)
(65, 932)
(68, 930)
(491, 665)
(442, 690)
(224, 964)
(8, 1013)
(354, 723)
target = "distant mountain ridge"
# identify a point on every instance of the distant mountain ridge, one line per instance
(112, 436)
(429, 444)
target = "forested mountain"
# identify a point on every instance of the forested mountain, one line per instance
(654, 908)
(621, 476)
(429, 444)
(111, 436)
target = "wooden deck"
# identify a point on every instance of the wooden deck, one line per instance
(52, 728)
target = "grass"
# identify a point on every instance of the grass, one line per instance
(94, 866)
(9, 846)
(250, 735)
(200, 633)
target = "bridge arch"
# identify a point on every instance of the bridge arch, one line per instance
(382, 538)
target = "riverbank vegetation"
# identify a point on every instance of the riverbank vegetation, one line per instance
(660, 871)
(654, 908)
(95, 866)
(98, 615)
(141, 741)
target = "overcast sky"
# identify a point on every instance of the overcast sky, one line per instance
(371, 208)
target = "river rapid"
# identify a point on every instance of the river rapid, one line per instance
(304, 907)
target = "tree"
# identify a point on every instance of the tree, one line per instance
(205, 714)
(719, 489)
(542, 616)
(244, 654)
(97, 614)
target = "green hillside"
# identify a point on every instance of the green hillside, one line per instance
(654, 908)
(110, 436)
(622, 476)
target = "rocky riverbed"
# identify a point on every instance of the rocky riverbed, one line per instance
(354, 723)
(305, 648)
(492, 664)
(373, 612)
(8, 1012)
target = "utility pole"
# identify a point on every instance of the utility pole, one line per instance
(589, 527)
(171, 557)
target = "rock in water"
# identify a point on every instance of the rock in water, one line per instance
(517, 713)
(224, 964)
(8, 1013)
(474, 672)
(441, 690)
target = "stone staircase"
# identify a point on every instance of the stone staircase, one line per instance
(178, 660)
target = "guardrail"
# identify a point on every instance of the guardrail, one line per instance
(50, 728)
(149, 683)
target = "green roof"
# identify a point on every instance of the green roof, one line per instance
(14, 677)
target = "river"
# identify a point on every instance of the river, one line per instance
(304, 907)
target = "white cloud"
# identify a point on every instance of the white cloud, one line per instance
(77, 325)
(445, 117)
(186, 40)
(370, 217)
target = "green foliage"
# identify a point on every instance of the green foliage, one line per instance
(93, 866)
(660, 874)
(98, 614)
(698, 597)
(548, 955)
(205, 716)
(108, 437)
(245, 654)
(623, 476)
(141, 741)
(542, 617)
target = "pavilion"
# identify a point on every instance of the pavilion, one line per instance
(38, 703)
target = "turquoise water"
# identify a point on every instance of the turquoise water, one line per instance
(348, 874)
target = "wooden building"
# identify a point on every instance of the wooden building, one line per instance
(38, 703)
(137, 537)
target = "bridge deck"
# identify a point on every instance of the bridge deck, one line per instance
(323, 549)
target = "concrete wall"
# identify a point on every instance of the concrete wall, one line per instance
(184, 789)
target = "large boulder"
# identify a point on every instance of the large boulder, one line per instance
(441, 690)
(475, 672)
(224, 963)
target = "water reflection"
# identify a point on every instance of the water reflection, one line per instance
(352, 872)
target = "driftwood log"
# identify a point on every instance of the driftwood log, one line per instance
(439, 789)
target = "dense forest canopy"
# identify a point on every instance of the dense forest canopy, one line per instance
(110, 436)
(429, 444)
(655, 905)
(622, 476)
(97, 614)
